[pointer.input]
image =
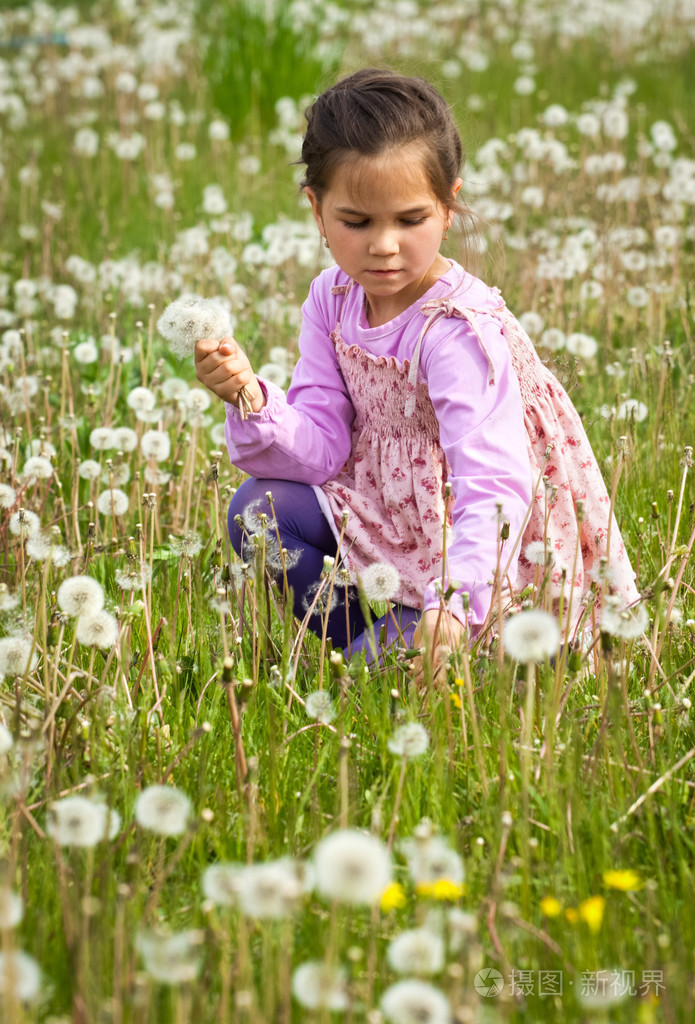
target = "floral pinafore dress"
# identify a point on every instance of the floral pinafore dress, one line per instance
(392, 484)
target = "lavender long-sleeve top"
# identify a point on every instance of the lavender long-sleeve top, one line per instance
(305, 435)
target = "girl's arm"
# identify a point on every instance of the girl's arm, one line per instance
(305, 435)
(483, 436)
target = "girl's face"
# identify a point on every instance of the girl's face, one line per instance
(384, 226)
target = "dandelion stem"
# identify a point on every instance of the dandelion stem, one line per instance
(679, 509)
(654, 788)
(397, 803)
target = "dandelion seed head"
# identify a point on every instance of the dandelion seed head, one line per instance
(136, 578)
(155, 476)
(624, 623)
(221, 884)
(118, 476)
(581, 345)
(189, 545)
(125, 439)
(351, 867)
(171, 958)
(113, 502)
(273, 373)
(17, 655)
(531, 636)
(431, 859)
(218, 130)
(19, 974)
(41, 547)
(524, 85)
(190, 319)
(319, 706)
(8, 496)
(6, 741)
(24, 523)
(11, 909)
(142, 400)
(632, 409)
(197, 401)
(270, 890)
(102, 438)
(538, 552)
(416, 951)
(380, 582)
(78, 821)
(553, 339)
(89, 470)
(85, 352)
(174, 389)
(320, 596)
(41, 446)
(163, 809)
(532, 322)
(79, 595)
(409, 740)
(97, 630)
(415, 1002)
(318, 985)
(155, 444)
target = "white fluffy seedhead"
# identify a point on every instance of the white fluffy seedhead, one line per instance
(190, 319)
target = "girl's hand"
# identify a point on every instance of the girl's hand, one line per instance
(438, 642)
(225, 369)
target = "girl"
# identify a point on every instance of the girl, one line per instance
(412, 373)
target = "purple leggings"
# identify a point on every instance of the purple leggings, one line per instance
(306, 534)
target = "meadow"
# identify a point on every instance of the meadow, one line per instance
(206, 813)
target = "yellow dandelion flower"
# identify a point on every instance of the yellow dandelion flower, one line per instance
(456, 700)
(443, 889)
(626, 880)
(551, 907)
(393, 897)
(572, 915)
(591, 912)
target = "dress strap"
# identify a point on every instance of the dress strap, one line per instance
(344, 290)
(437, 309)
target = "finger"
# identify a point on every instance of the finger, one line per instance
(205, 347)
(229, 347)
(224, 368)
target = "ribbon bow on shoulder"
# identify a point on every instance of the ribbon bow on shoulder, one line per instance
(438, 309)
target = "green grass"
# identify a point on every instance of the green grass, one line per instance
(528, 826)
(254, 56)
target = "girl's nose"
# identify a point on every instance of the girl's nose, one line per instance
(383, 242)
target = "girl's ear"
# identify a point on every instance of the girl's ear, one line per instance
(315, 208)
(454, 195)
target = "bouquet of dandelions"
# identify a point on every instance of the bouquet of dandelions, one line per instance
(191, 318)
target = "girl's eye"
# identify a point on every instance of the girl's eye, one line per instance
(406, 221)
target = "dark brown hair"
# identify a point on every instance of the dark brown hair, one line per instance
(373, 111)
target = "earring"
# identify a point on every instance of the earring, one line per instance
(325, 242)
(445, 235)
